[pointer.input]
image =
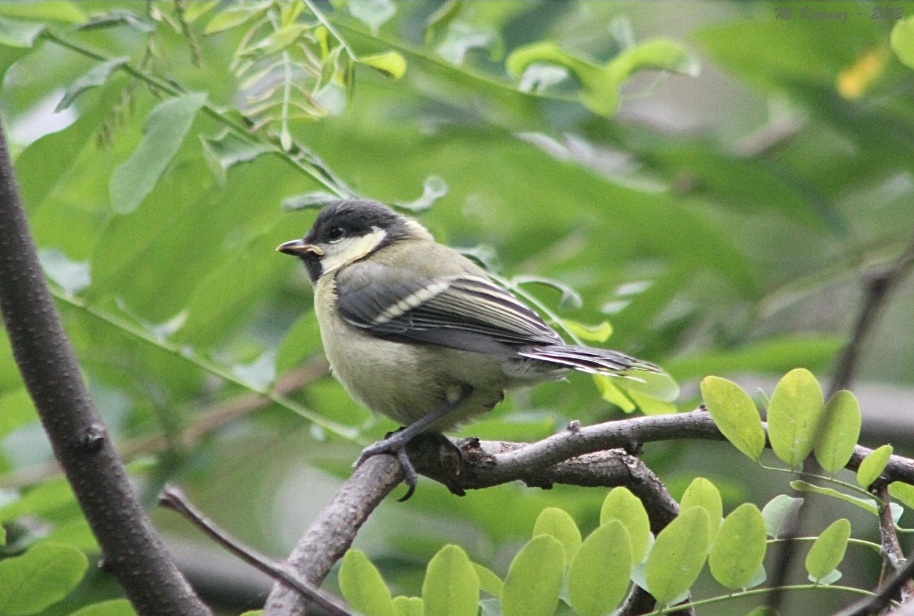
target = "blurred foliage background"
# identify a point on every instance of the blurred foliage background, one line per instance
(720, 215)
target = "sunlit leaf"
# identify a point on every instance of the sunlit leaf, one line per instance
(534, 579)
(827, 550)
(389, 63)
(657, 54)
(739, 548)
(114, 607)
(408, 606)
(839, 432)
(589, 333)
(451, 586)
(52, 10)
(703, 493)
(794, 415)
(489, 582)
(903, 492)
(902, 40)
(734, 413)
(620, 504)
(556, 523)
(678, 556)
(235, 16)
(599, 574)
(362, 585)
(873, 464)
(864, 503)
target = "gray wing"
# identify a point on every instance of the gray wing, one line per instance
(461, 311)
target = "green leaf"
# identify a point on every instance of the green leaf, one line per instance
(739, 548)
(621, 505)
(703, 493)
(827, 550)
(557, 523)
(763, 610)
(780, 514)
(451, 587)
(39, 578)
(372, 13)
(229, 149)
(407, 606)
(114, 607)
(589, 333)
(839, 433)
(872, 465)
(47, 497)
(19, 33)
(804, 486)
(599, 574)
(678, 556)
(534, 579)
(440, 19)
(598, 87)
(793, 416)
(657, 54)
(609, 391)
(53, 10)
(734, 413)
(902, 40)
(488, 581)
(235, 16)
(902, 492)
(362, 585)
(163, 133)
(97, 76)
(275, 42)
(390, 63)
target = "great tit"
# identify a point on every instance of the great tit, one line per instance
(416, 331)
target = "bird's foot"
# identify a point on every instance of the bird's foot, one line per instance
(394, 445)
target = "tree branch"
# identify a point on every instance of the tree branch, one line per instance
(578, 456)
(332, 533)
(172, 498)
(132, 550)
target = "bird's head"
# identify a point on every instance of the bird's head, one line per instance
(347, 231)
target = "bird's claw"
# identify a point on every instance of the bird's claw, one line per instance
(395, 447)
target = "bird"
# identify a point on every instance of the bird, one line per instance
(416, 331)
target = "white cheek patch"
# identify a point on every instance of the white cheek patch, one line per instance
(350, 250)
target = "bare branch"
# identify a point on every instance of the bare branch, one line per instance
(133, 552)
(331, 534)
(172, 498)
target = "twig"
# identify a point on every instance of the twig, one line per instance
(877, 289)
(574, 457)
(203, 424)
(133, 552)
(878, 286)
(172, 498)
(331, 534)
(883, 596)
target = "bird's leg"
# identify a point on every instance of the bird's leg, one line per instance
(395, 444)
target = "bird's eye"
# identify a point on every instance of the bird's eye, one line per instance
(335, 234)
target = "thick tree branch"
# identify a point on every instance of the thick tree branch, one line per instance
(132, 550)
(578, 456)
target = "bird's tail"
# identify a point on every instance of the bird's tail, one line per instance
(587, 359)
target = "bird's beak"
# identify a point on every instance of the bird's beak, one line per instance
(298, 248)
